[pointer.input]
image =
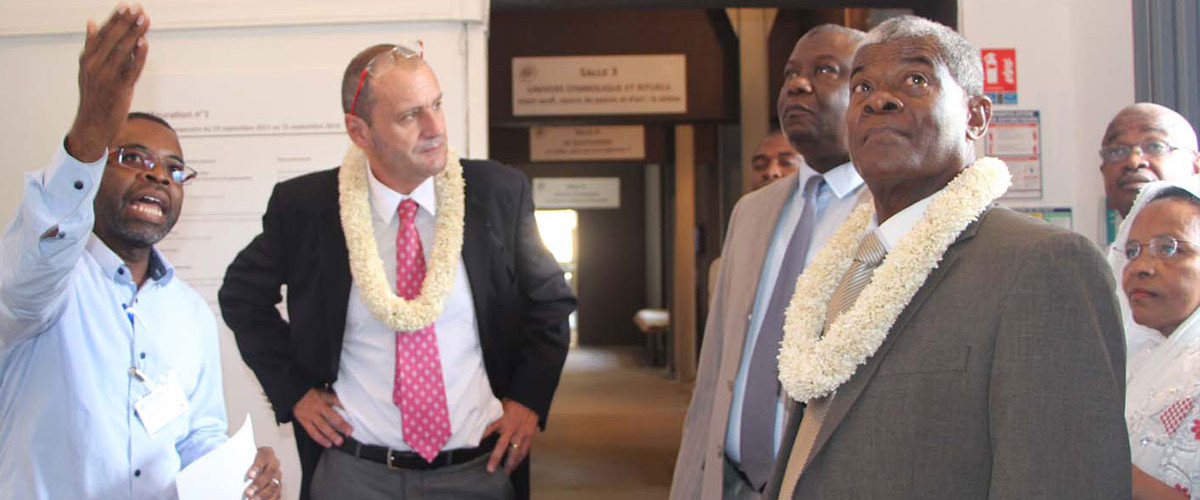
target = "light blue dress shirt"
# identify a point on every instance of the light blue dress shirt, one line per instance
(72, 323)
(836, 199)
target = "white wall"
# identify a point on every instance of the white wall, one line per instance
(246, 61)
(1075, 64)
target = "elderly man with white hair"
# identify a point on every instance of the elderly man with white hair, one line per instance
(944, 346)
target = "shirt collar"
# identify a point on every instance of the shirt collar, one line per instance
(160, 270)
(842, 180)
(900, 224)
(386, 201)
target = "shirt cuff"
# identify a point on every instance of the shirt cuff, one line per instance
(67, 181)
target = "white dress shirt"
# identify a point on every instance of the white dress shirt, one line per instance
(900, 224)
(835, 201)
(366, 374)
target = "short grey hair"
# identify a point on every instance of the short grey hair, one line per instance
(854, 35)
(959, 56)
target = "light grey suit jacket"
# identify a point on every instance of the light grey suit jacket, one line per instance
(1002, 379)
(698, 467)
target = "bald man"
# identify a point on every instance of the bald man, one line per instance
(1145, 142)
(734, 421)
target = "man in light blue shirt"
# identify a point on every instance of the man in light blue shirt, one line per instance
(110, 380)
(735, 420)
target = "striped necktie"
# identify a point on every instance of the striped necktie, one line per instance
(868, 257)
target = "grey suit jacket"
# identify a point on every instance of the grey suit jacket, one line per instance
(1002, 379)
(698, 467)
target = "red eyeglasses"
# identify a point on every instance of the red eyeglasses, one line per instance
(385, 61)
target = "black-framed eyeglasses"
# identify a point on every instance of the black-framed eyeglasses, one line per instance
(1161, 247)
(1145, 149)
(140, 159)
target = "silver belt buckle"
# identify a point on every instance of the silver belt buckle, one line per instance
(389, 461)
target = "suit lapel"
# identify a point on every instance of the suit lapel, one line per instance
(336, 273)
(475, 254)
(747, 271)
(849, 392)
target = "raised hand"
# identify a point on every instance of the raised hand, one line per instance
(112, 59)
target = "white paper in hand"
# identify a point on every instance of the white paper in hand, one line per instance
(221, 474)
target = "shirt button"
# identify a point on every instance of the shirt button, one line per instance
(137, 473)
(121, 270)
(142, 355)
(78, 184)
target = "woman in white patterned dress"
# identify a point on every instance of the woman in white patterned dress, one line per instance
(1161, 278)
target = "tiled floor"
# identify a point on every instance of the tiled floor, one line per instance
(613, 430)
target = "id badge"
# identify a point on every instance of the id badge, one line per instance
(165, 403)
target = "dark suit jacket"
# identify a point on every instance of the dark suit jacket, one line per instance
(1002, 379)
(521, 299)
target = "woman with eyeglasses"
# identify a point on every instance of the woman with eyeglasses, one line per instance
(1161, 278)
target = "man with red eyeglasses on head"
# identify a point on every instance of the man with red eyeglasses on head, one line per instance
(427, 324)
(110, 377)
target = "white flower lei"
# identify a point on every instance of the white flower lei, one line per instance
(812, 366)
(367, 267)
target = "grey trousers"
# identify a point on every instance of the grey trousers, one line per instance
(734, 487)
(339, 476)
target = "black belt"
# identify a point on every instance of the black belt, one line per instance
(400, 460)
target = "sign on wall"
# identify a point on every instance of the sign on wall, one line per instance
(576, 192)
(1015, 137)
(1000, 75)
(612, 142)
(599, 85)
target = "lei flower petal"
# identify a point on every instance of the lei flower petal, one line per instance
(367, 267)
(812, 365)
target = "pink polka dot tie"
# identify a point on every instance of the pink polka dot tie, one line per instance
(419, 390)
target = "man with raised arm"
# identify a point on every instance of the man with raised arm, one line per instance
(110, 377)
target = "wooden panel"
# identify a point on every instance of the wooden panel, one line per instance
(610, 254)
(683, 286)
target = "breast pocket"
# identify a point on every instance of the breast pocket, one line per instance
(940, 359)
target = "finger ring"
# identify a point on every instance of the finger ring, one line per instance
(516, 445)
(276, 481)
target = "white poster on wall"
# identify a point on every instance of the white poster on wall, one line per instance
(1015, 137)
(599, 85)
(576, 192)
(240, 149)
(610, 142)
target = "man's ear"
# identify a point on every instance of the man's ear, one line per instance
(979, 115)
(358, 130)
